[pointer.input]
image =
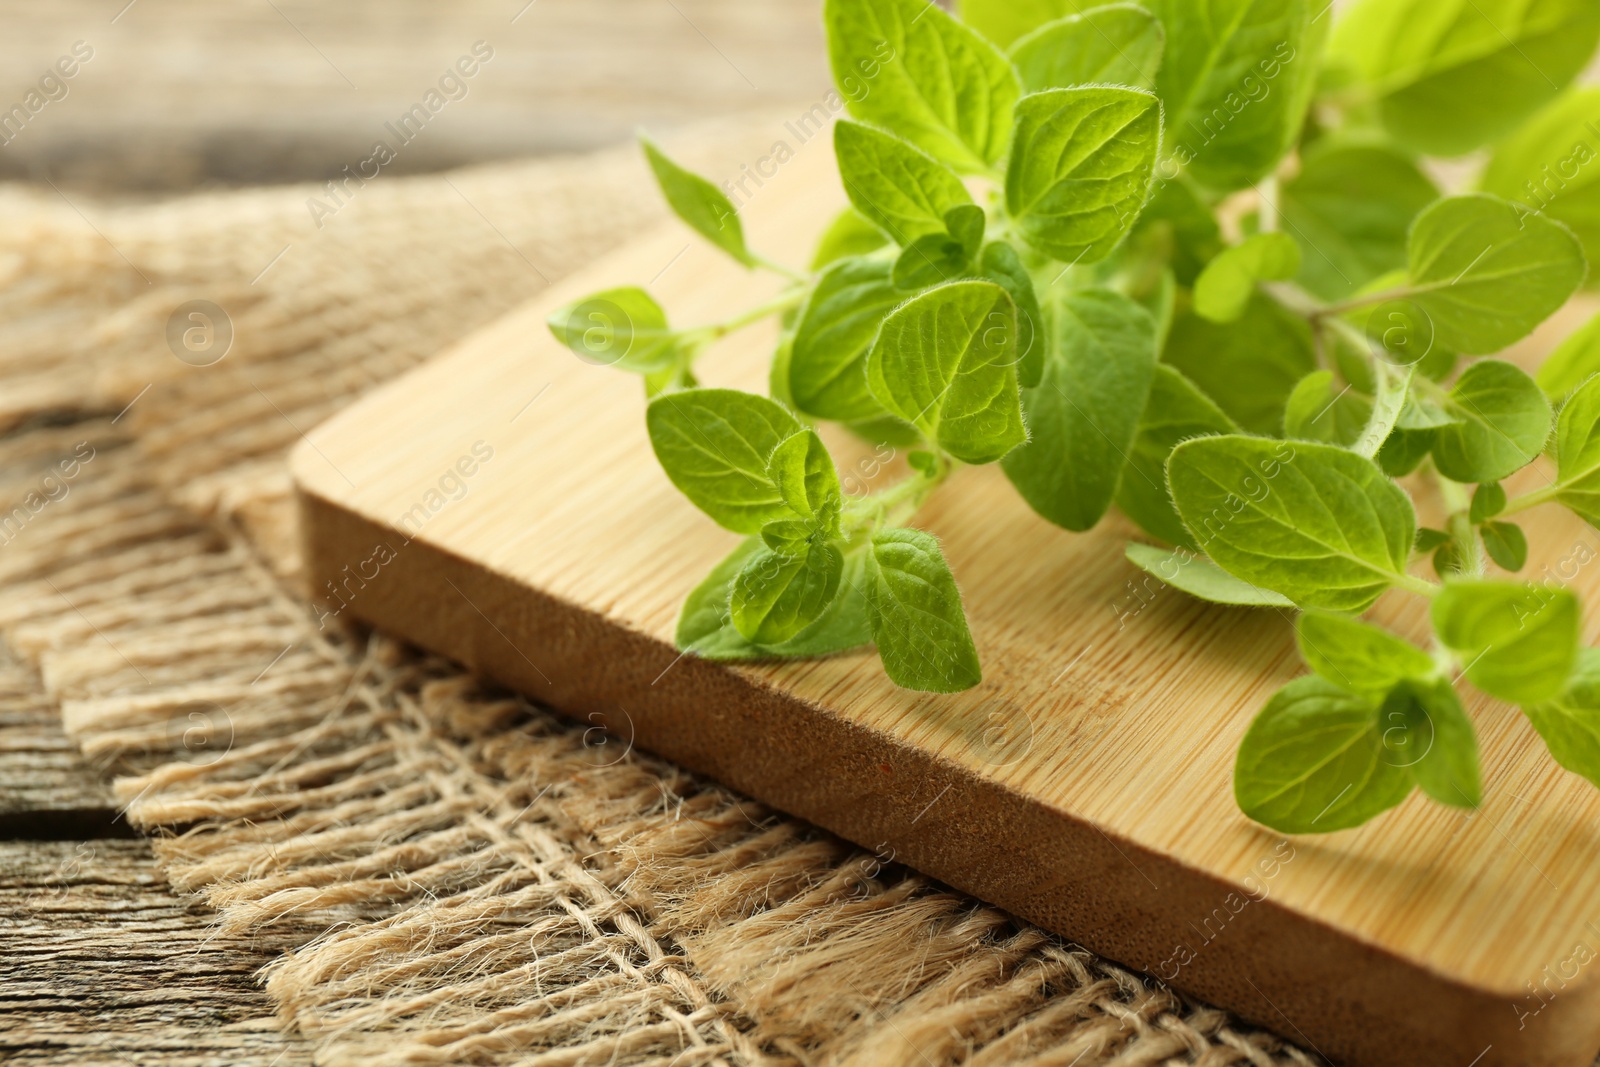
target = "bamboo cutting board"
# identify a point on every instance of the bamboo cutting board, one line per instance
(501, 505)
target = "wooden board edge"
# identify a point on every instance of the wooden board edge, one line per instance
(1348, 999)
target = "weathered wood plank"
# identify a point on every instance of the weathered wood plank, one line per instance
(103, 964)
(46, 790)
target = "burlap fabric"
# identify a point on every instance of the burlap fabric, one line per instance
(497, 886)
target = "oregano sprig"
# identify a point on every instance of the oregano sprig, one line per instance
(1192, 261)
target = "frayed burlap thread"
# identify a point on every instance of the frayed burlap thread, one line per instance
(473, 879)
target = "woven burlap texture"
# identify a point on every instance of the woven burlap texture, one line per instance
(489, 883)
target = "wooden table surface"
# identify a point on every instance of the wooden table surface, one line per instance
(103, 963)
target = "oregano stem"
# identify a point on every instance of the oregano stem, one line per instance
(1459, 526)
(1420, 586)
(1432, 390)
(1518, 504)
(1444, 659)
(1294, 297)
(1404, 292)
(1268, 190)
(1332, 312)
(791, 297)
(896, 505)
(1454, 494)
(777, 268)
(1352, 334)
(1392, 386)
(1467, 546)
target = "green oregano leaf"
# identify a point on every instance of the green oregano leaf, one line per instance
(933, 80)
(1176, 411)
(917, 618)
(1503, 421)
(929, 261)
(1570, 722)
(1517, 642)
(1358, 656)
(1314, 761)
(1118, 44)
(1223, 290)
(714, 445)
(803, 471)
(1506, 544)
(1003, 21)
(1549, 166)
(999, 263)
(1351, 208)
(1451, 75)
(936, 258)
(1404, 450)
(1447, 561)
(946, 362)
(1485, 274)
(1320, 410)
(705, 626)
(1578, 452)
(1423, 413)
(1488, 500)
(850, 234)
(702, 205)
(788, 537)
(828, 360)
(775, 596)
(887, 431)
(1084, 414)
(966, 223)
(1427, 731)
(1430, 539)
(1574, 360)
(1201, 578)
(896, 185)
(705, 616)
(1318, 524)
(623, 328)
(1080, 169)
(1249, 367)
(1236, 81)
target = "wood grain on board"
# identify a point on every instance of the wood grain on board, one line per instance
(501, 505)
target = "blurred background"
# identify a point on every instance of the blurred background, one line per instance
(179, 94)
